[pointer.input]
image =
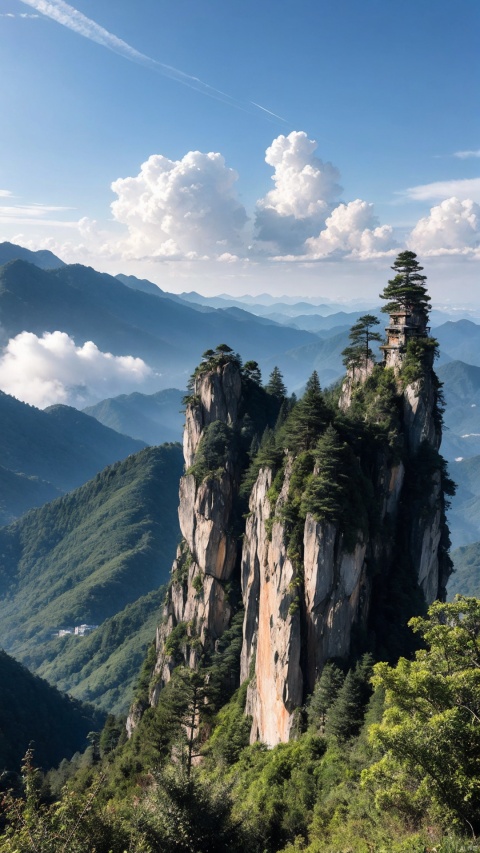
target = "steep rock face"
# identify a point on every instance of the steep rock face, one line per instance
(217, 396)
(272, 620)
(290, 635)
(197, 610)
(310, 601)
(418, 407)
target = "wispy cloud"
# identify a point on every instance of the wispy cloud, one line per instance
(32, 214)
(5, 194)
(467, 188)
(71, 18)
(467, 155)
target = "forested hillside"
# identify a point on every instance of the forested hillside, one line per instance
(83, 559)
(34, 713)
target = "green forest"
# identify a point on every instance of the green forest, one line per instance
(385, 758)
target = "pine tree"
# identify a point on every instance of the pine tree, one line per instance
(324, 694)
(359, 353)
(327, 491)
(407, 291)
(345, 716)
(307, 419)
(252, 371)
(275, 384)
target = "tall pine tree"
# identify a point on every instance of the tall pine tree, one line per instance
(407, 291)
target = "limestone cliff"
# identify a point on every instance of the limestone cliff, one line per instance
(197, 610)
(343, 537)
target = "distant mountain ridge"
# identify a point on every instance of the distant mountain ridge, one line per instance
(42, 258)
(47, 452)
(153, 418)
(168, 334)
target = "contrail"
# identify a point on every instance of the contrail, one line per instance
(259, 106)
(70, 17)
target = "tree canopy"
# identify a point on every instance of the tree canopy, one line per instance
(430, 731)
(406, 291)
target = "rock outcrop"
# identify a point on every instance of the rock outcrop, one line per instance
(306, 604)
(197, 611)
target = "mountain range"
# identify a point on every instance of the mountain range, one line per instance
(46, 453)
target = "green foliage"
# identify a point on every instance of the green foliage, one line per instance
(103, 667)
(307, 418)
(184, 814)
(418, 359)
(337, 491)
(211, 360)
(324, 694)
(376, 402)
(275, 384)
(176, 640)
(252, 371)
(406, 291)
(214, 448)
(74, 824)
(346, 712)
(231, 733)
(431, 728)
(359, 353)
(275, 791)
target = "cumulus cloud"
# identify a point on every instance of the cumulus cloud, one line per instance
(52, 369)
(177, 209)
(452, 227)
(305, 191)
(352, 229)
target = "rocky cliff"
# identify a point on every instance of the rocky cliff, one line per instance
(343, 539)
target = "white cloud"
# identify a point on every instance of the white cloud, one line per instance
(51, 369)
(5, 194)
(29, 213)
(466, 155)
(352, 229)
(305, 191)
(452, 227)
(466, 188)
(177, 209)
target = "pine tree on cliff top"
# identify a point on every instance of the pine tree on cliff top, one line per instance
(407, 291)
(359, 352)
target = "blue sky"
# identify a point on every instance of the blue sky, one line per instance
(368, 112)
